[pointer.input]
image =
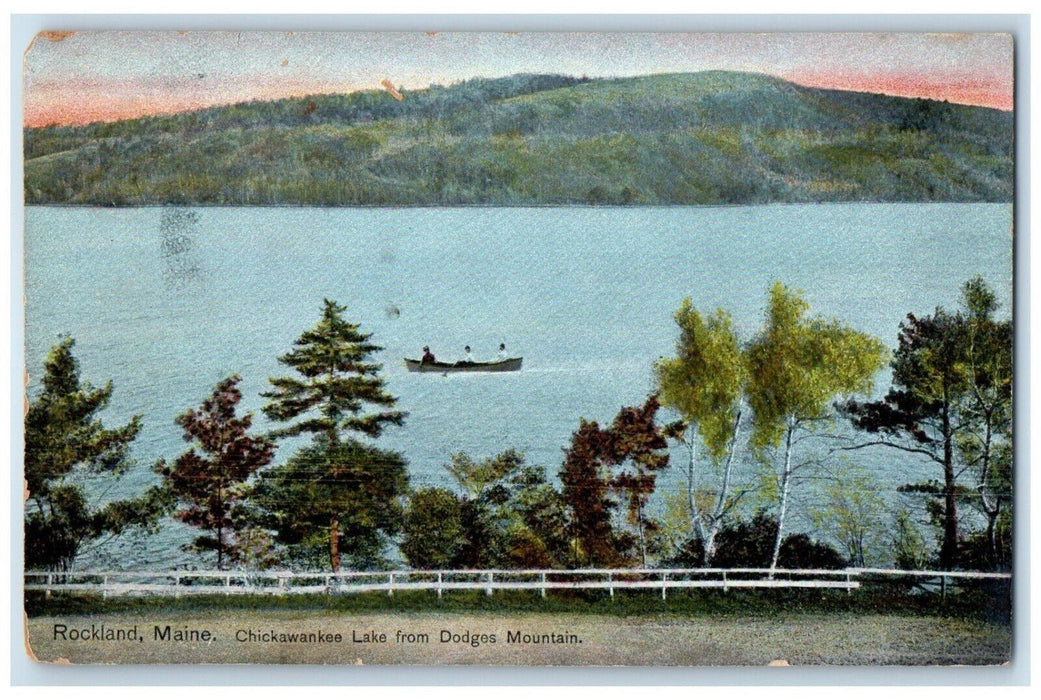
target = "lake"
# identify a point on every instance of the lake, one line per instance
(165, 302)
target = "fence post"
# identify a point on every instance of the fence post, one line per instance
(104, 586)
(724, 582)
(390, 585)
(543, 584)
(439, 582)
(849, 584)
(610, 588)
(488, 591)
(664, 576)
(943, 587)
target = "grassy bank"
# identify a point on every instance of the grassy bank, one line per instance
(990, 605)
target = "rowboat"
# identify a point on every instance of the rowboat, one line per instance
(510, 364)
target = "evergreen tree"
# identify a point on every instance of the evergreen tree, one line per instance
(951, 401)
(330, 398)
(211, 484)
(343, 497)
(67, 446)
(336, 383)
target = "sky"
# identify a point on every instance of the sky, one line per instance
(77, 78)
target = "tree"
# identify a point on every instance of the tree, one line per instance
(623, 459)
(337, 383)
(586, 494)
(987, 446)
(798, 367)
(951, 402)
(705, 384)
(433, 529)
(331, 399)
(475, 478)
(752, 543)
(67, 446)
(511, 516)
(540, 532)
(210, 485)
(638, 452)
(852, 512)
(325, 494)
(907, 544)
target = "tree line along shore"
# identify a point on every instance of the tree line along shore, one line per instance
(342, 500)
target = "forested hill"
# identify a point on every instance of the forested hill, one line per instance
(694, 138)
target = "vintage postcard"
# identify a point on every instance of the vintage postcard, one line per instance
(519, 349)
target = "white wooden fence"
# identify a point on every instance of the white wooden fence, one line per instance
(178, 583)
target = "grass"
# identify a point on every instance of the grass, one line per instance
(980, 605)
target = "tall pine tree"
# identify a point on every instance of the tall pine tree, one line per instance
(352, 487)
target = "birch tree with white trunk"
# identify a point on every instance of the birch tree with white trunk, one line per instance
(798, 368)
(704, 383)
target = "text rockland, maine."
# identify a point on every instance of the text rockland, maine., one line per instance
(175, 634)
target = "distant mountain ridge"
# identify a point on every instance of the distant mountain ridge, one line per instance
(714, 137)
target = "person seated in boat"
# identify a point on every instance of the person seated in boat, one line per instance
(428, 357)
(502, 352)
(468, 357)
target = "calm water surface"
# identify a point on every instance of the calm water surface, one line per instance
(166, 302)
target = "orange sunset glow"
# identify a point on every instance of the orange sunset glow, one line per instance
(77, 78)
(982, 91)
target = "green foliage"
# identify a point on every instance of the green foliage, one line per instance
(66, 446)
(907, 544)
(346, 496)
(433, 529)
(799, 366)
(476, 477)
(703, 138)
(255, 549)
(750, 544)
(704, 381)
(209, 487)
(514, 519)
(336, 383)
(338, 486)
(852, 513)
(951, 402)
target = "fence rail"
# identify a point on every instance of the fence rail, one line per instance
(178, 583)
